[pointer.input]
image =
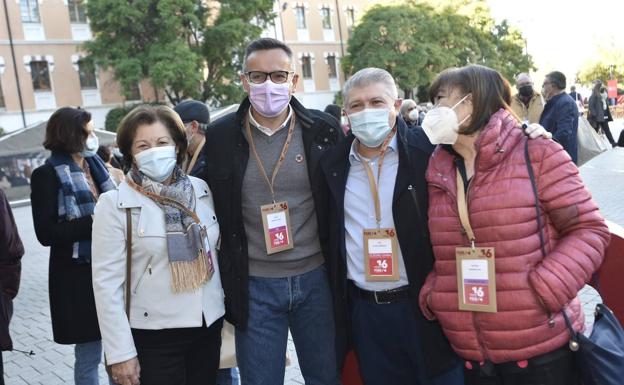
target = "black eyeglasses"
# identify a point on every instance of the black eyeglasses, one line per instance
(259, 77)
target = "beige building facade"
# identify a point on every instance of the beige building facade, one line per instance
(317, 31)
(47, 36)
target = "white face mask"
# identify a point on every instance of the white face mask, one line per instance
(157, 162)
(413, 115)
(441, 125)
(91, 146)
(370, 126)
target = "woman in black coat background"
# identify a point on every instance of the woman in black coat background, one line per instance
(70, 137)
(599, 113)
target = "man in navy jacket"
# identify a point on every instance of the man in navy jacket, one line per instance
(560, 115)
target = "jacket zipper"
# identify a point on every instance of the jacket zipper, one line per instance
(148, 269)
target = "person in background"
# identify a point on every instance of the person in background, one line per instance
(599, 112)
(560, 115)
(5, 183)
(116, 174)
(576, 96)
(539, 263)
(335, 111)
(10, 271)
(64, 191)
(172, 334)
(409, 112)
(195, 116)
(527, 104)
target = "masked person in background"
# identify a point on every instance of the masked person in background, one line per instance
(527, 104)
(262, 166)
(409, 112)
(172, 332)
(503, 274)
(64, 193)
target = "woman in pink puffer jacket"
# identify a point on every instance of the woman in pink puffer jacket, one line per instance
(525, 340)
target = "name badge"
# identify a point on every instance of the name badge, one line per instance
(476, 279)
(380, 255)
(276, 224)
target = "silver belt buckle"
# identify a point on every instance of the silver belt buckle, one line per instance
(380, 302)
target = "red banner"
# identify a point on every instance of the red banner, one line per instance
(612, 88)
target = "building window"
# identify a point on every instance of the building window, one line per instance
(2, 102)
(306, 67)
(40, 73)
(350, 16)
(326, 17)
(86, 72)
(77, 11)
(29, 10)
(331, 66)
(134, 92)
(300, 16)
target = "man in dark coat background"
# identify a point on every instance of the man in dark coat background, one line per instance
(560, 115)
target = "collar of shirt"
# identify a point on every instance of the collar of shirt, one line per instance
(265, 130)
(355, 157)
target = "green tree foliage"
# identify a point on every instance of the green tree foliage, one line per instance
(415, 41)
(606, 62)
(188, 48)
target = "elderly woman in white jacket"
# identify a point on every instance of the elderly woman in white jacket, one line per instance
(171, 335)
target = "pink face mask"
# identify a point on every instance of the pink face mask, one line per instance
(269, 99)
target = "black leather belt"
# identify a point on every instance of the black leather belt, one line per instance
(380, 297)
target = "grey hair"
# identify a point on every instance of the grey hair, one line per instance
(521, 74)
(405, 105)
(367, 76)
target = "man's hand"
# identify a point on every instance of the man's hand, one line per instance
(534, 131)
(127, 372)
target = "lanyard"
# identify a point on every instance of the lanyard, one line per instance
(291, 129)
(462, 207)
(189, 168)
(374, 186)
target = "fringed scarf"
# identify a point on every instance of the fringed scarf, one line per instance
(190, 261)
(75, 198)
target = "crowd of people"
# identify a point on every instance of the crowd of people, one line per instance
(387, 229)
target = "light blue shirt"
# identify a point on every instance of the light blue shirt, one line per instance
(359, 208)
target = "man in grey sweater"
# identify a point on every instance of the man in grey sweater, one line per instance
(262, 167)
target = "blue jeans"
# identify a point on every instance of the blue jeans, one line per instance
(387, 346)
(88, 357)
(301, 303)
(228, 376)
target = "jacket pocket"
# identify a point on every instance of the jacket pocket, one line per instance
(147, 270)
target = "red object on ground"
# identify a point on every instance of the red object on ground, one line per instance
(351, 371)
(608, 280)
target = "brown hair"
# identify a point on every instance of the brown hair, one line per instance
(149, 114)
(490, 92)
(66, 130)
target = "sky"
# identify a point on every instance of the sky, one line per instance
(563, 34)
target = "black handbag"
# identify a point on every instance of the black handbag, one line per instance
(599, 357)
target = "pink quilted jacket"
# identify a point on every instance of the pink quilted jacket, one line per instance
(530, 288)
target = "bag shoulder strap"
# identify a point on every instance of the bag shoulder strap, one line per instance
(128, 259)
(527, 158)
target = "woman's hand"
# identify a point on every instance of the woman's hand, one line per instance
(534, 131)
(127, 372)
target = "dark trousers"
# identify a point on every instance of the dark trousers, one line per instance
(387, 346)
(605, 127)
(184, 356)
(1, 370)
(555, 368)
